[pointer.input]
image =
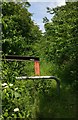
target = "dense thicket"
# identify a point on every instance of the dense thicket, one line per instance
(20, 36)
(58, 52)
(61, 41)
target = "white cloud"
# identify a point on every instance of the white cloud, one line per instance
(59, 2)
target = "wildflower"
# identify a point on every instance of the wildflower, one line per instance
(4, 84)
(10, 85)
(16, 109)
(16, 88)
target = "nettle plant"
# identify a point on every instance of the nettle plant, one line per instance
(18, 97)
(16, 101)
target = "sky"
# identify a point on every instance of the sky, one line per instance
(39, 11)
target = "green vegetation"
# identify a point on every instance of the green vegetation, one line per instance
(58, 52)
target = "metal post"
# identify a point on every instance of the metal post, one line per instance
(42, 77)
(21, 58)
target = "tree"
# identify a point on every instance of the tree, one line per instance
(17, 28)
(62, 35)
